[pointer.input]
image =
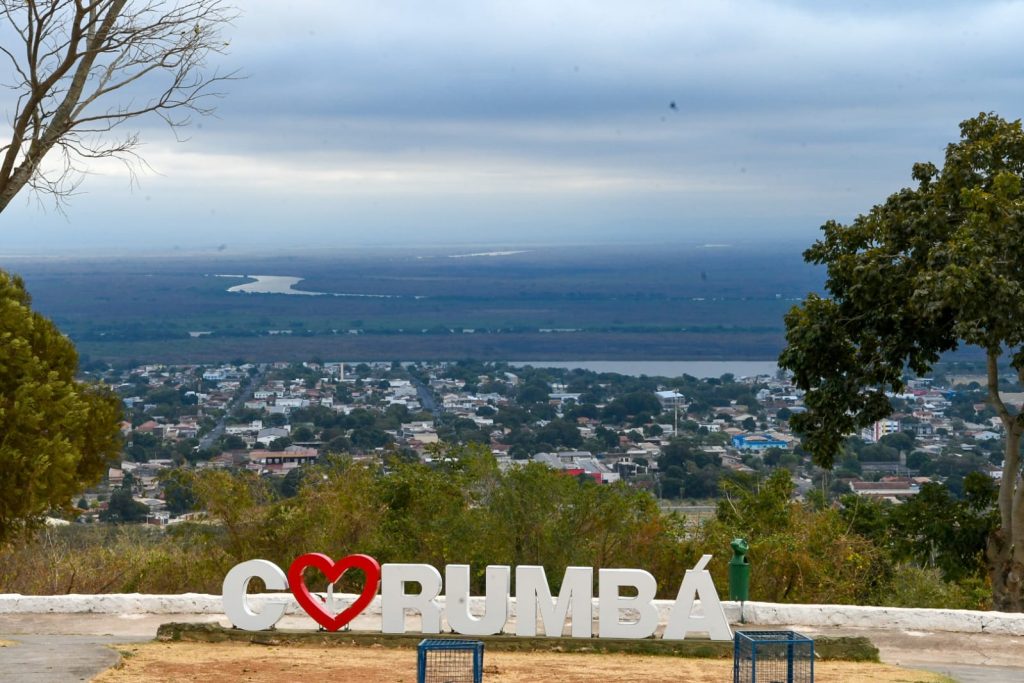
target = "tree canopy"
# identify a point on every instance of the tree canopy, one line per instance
(933, 268)
(57, 435)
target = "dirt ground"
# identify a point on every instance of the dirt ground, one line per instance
(167, 662)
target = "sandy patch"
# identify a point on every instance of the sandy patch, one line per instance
(167, 662)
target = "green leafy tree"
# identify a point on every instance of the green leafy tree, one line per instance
(901, 441)
(57, 435)
(536, 391)
(932, 268)
(560, 433)
(303, 433)
(232, 442)
(369, 438)
(917, 459)
(938, 530)
(933, 531)
(280, 443)
(238, 502)
(122, 507)
(290, 483)
(800, 554)
(339, 444)
(607, 437)
(178, 491)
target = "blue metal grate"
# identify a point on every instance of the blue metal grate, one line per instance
(772, 657)
(447, 660)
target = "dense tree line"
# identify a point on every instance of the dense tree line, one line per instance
(463, 509)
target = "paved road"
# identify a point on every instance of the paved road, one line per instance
(426, 397)
(244, 394)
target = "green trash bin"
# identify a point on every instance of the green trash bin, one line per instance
(739, 571)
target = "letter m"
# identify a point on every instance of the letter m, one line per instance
(533, 592)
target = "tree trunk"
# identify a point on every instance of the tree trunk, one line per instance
(1004, 551)
(1006, 573)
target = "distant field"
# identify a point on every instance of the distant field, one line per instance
(683, 302)
(554, 347)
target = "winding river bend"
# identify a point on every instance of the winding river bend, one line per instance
(285, 284)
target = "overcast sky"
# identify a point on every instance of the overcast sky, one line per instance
(550, 121)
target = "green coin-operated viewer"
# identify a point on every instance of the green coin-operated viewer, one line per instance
(739, 573)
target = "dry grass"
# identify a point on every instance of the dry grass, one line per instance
(167, 662)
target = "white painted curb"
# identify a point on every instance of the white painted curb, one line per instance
(760, 613)
(893, 618)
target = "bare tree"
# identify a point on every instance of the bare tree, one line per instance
(82, 68)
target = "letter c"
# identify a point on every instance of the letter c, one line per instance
(236, 584)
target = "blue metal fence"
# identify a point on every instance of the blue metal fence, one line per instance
(772, 657)
(447, 660)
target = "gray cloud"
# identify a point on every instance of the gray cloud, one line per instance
(507, 120)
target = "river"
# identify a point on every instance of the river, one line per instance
(665, 368)
(285, 284)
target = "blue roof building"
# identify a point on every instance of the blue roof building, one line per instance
(758, 442)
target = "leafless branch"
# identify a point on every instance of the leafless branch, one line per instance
(82, 68)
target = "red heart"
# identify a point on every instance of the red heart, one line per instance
(333, 571)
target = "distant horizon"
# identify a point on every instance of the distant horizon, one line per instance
(438, 247)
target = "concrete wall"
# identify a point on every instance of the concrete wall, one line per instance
(759, 613)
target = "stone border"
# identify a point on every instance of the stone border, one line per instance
(848, 649)
(760, 613)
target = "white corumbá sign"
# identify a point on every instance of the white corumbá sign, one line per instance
(625, 599)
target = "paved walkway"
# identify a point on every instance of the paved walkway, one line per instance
(974, 674)
(965, 657)
(57, 659)
(68, 648)
(57, 648)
